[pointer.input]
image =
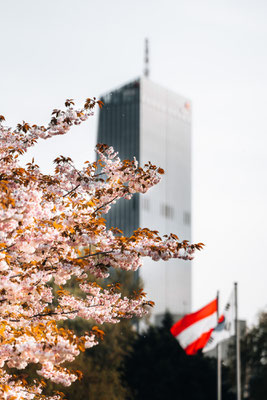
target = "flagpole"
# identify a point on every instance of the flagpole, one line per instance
(219, 371)
(237, 340)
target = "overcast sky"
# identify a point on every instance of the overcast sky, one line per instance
(213, 52)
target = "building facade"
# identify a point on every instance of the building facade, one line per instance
(144, 120)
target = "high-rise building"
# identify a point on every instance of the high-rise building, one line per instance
(147, 121)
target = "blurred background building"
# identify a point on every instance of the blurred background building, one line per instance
(144, 120)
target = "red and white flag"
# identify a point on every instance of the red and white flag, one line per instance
(193, 330)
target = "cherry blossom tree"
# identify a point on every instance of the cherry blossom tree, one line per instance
(52, 229)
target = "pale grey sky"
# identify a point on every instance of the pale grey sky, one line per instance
(213, 52)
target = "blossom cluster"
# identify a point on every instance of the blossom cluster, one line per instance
(52, 230)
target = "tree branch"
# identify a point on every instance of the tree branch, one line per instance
(94, 254)
(8, 247)
(104, 205)
(76, 187)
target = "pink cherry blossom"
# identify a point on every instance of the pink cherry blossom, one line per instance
(51, 230)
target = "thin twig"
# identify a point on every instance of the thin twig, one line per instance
(15, 276)
(56, 313)
(101, 173)
(72, 190)
(94, 254)
(104, 205)
(47, 315)
(8, 247)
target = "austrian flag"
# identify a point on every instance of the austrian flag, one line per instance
(193, 330)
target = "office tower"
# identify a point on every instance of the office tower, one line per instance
(145, 120)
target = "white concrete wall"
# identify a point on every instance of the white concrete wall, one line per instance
(165, 140)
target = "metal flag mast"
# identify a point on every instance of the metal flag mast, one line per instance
(219, 363)
(146, 59)
(237, 348)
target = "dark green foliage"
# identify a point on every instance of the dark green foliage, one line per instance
(158, 369)
(253, 361)
(100, 366)
(257, 360)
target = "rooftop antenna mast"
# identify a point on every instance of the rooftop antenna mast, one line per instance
(146, 59)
